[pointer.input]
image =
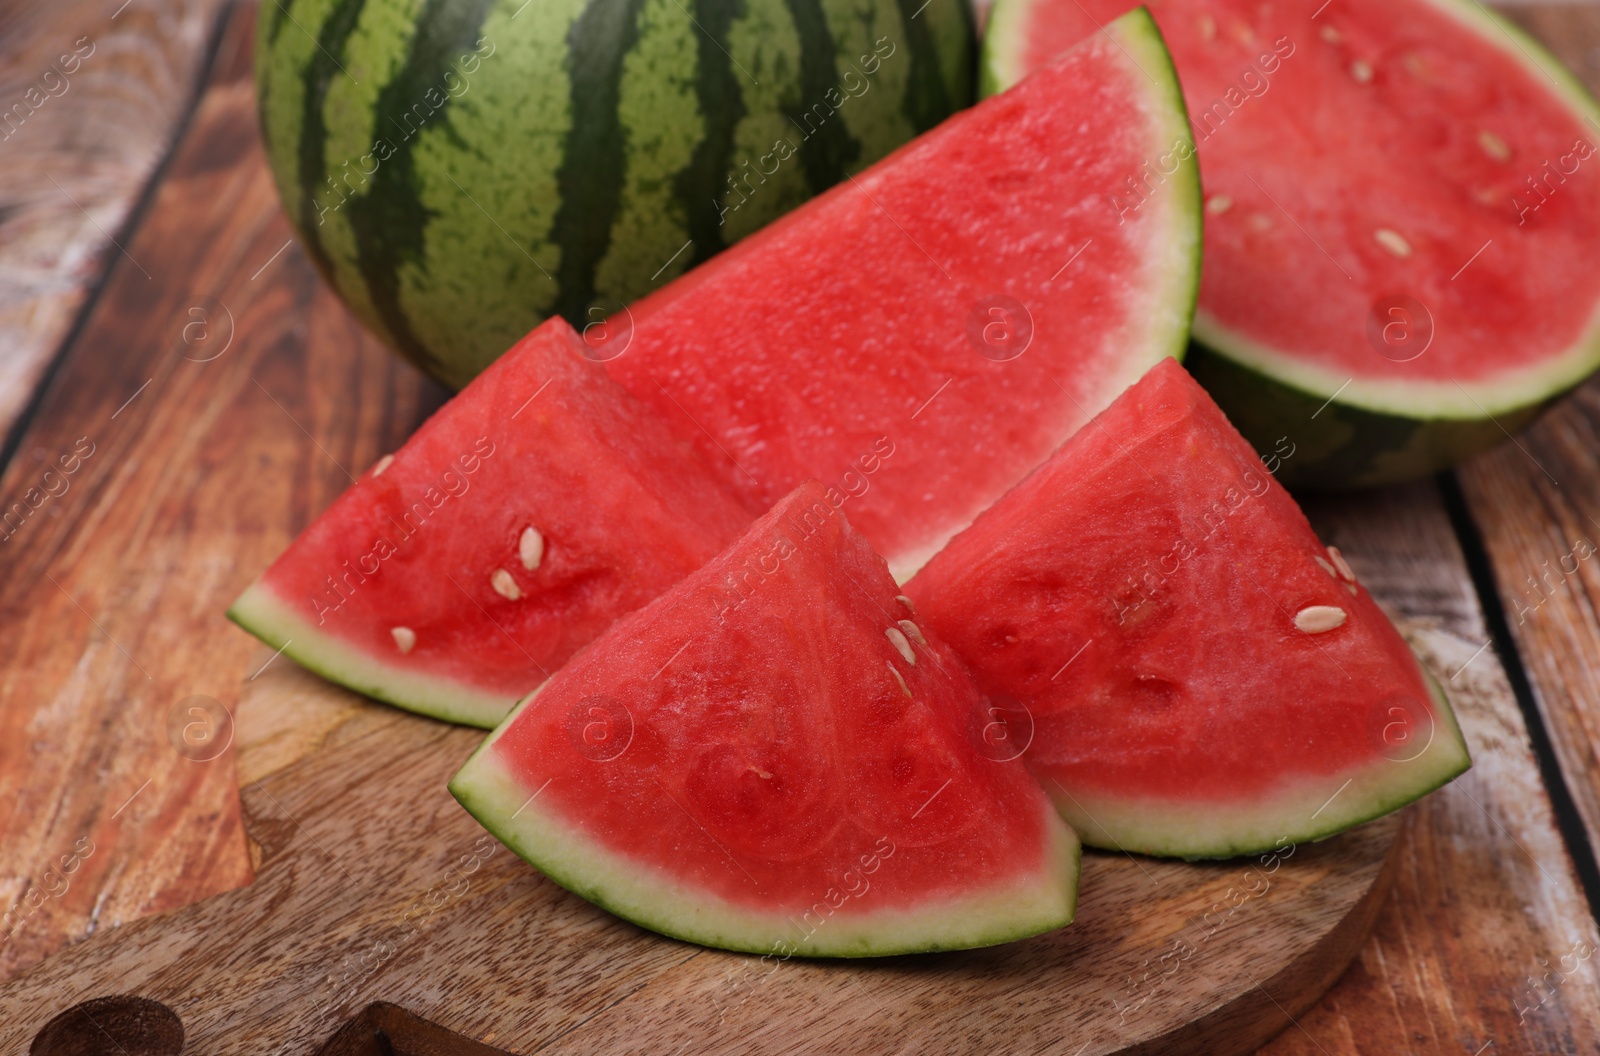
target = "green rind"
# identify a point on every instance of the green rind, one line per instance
(1338, 445)
(654, 900)
(1298, 814)
(419, 276)
(276, 623)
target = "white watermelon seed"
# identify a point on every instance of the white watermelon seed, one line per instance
(1361, 71)
(1325, 566)
(1341, 564)
(1331, 35)
(382, 464)
(1208, 27)
(913, 632)
(504, 585)
(405, 639)
(898, 677)
(902, 599)
(530, 548)
(1315, 619)
(1219, 204)
(900, 643)
(1392, 241)
(1260, 222)
(1494, 146)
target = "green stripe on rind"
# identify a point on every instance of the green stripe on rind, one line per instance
(1336, 445)
(655, 900)
(929, 97)
(590, 178)
(826, 149)
(269, 618)
(701, 184)
(1452, 415)
(311, 153)
(388, 221)
(1298, 813)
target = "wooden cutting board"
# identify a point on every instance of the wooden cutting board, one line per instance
(384, 920)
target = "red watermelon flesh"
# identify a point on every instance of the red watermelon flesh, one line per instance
(1202, 677)
(773, 757)
(524, 517)
(926, 333)
(1371, 155)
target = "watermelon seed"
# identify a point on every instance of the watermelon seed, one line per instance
(1325, 566)
(1392, 241)
(1494, 146)
(913, 632)
(1219, 204)
(900, 643)
(898, 677)
(1331, 35)
(902, 599)
(531, 548)
(1361, 71)
(405, 639)
(504, 585)
(1345, 571)
(1316, 619)
(383, 463)
(1208, 27)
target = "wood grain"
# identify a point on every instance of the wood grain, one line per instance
(201, 465)
(376, 886)
(90, 99)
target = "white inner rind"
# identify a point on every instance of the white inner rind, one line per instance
(260, 611)
(1298, 811)
(1015, 907)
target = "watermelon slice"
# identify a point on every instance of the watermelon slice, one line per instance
(523, 518)
(772, 757)
(1202, 677)
(1402, 204)
(924, 334)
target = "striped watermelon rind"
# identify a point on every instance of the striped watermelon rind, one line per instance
(582, 865)
(460, 171)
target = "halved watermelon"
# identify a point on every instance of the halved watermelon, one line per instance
(927, 332)
(772, 757)
(1402, 207)
(1203, 677)
(523, 518)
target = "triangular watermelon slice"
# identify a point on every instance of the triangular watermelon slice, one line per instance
(772, 757)
(1402, 205)
(523, 518)
(1202, 677)
(927, 332)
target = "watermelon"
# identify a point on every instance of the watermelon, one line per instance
(523, 518)
(460, 170)
(773, 757)
(1202, 677)
(1401, 208)
(924, 334)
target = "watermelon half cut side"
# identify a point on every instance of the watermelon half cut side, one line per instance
(927, 332)
(773, 757)
(1201, 677)
(531, 511)
(1402, 202)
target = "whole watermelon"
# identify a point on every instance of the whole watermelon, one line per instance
(462, 169)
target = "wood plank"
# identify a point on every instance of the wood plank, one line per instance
(1486, 895)
(195, 465)
(90, 98)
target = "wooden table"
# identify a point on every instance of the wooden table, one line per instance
(156, 323)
